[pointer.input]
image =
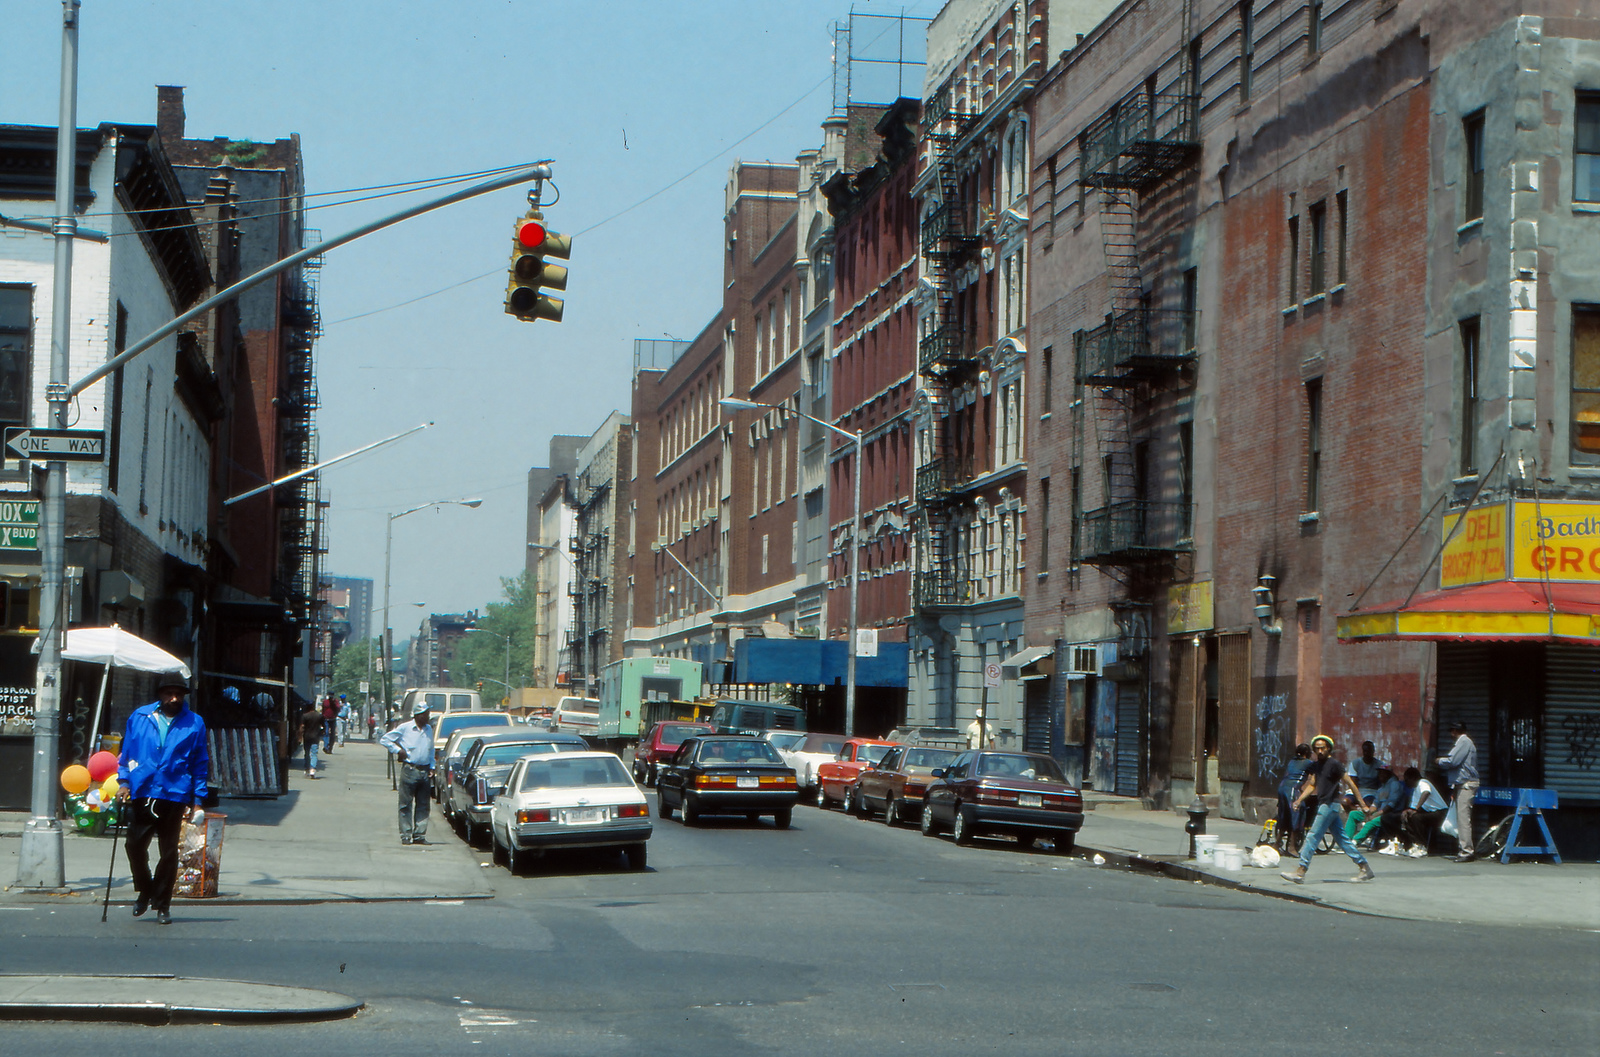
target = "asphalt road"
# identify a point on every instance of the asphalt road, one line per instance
(837, 936)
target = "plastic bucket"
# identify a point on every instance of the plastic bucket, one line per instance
(1205, 846)
(1229, 857)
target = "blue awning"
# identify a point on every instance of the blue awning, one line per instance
(817, 662)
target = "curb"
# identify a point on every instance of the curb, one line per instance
(47, 997)
(1180, 872)
(88, 898)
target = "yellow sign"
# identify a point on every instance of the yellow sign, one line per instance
(1556, 541)
(1476, 552)
(1189, 608)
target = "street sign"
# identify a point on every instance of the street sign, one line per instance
(866, 642)
(991, 674)
(364, 686)
(51, 445)
(19, 525)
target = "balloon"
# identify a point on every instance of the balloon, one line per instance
(108, 788)
(102, 765)
(75, 779)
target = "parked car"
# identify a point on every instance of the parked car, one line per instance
(1020, 793)
(813, 752)
(895, 785)
(658, 744)
(445, 727)
(836, 779)
(784, 739)
(578, 715)
(727, 774)
(753, 717)
(479, 774)
(569, 800)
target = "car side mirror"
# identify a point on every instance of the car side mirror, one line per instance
(938, 772)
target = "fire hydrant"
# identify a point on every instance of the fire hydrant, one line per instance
(1196, 826)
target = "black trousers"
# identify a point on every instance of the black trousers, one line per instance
(161, 820)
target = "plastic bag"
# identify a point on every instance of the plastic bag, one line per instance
(1448, 826)
(1264, 856)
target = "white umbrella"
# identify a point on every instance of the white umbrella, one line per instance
(116, 648)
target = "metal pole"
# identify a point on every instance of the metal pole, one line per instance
(388, 632)
(855, 586)
(40, 858)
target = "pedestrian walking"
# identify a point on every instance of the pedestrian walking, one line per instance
(1329, 781)
(161, 777)
(311, 737)
(372, 726)
(1461, 775)
(412, 745)
(330, 720)
(344, 719)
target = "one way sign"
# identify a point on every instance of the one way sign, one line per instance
(51, 445)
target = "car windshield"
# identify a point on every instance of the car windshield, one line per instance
(751, 751)
(513, 751)
(927, 757)
(785, 741)
(1009, 765)
(828, 743)
(454, 721)
(674, 733)
(873, 753)
(575, 773)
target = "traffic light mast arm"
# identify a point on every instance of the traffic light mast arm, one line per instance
(537, 173)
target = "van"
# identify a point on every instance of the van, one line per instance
(578, 715)
(754, 717)
(440, 700)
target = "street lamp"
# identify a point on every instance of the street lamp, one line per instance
(388, 552)
(507, 638)
(734, 403)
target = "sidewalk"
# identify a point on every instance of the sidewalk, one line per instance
(1522, 892)
(331, 840)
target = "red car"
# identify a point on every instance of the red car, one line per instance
(658, 745)
(836, 779)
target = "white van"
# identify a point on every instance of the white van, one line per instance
(440, 700)
(578, 715)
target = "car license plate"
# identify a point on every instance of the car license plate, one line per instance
(586, 814)
(1029, 800)
(749, 782)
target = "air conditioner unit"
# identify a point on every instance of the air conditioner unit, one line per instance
(1090, 658)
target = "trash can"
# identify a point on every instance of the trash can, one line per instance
(199, 854)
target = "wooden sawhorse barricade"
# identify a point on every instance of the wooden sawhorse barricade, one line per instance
(1527, 803)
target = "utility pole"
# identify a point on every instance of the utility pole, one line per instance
(40, 857)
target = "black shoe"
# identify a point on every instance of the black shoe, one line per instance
(405, 840)
(418, 840)
(163, 918)
(140, 905)
(1469, 857)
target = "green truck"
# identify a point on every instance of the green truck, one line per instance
(629, 686)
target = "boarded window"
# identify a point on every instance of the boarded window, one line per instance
(1233, 706)
(1586, 383)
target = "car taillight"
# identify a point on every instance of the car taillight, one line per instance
(713, 781)
(988, 795)
(480, 790)
(914, 789)
(632, 811)
(541, 814)
(782, 781)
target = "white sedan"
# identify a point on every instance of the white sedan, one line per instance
(812, 752)
(571, 800)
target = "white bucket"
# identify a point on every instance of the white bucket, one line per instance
(1229, 857)
(1205, 846)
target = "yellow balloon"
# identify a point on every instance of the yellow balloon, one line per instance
(109, 787)
(75, 779)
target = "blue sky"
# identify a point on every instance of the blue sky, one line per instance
(628, 98)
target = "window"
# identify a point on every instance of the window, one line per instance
(1047, 377)
(1044, 524)
(1191, 298)
(1341, 203)
(1314, 26)
(1319, 239)
(1247, 48)
(1313, 444)
(114, 435)
(1186, 479)
(1586, 383)
(1472, 190)
(16, 353)
(1196, 51)
(1075, 513)
(1586, 160)
(1469, 396)
(1294, 260)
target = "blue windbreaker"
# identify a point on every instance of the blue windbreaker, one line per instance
(175, 771)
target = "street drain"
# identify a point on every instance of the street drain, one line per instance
(1151, 987)
(917, 987)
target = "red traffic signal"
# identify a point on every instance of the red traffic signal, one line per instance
(530, 233)
(530, 273)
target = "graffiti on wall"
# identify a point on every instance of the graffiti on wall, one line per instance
(1272, 734)
(1583, 740)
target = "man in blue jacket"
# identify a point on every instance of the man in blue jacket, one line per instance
(161, 776)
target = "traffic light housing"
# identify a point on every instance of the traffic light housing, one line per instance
(531, 274)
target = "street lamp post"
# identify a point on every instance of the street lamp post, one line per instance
(507, 638)
(388, 552)
(733, 403)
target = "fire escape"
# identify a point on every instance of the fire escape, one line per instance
(587, 644)
(946, 360)
(1144, 347)
(300, 503)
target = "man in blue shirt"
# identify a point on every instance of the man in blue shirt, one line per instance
(161, 776)
(412, 744)
(1461, 775)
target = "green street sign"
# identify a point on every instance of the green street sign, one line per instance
(19, 524)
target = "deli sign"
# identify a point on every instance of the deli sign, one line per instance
(1522, 540)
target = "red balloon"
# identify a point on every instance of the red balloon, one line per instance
(102, 765)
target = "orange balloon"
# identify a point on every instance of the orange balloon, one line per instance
(75, 779)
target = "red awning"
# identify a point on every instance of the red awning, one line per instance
(1502, 611)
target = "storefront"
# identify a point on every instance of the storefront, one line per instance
(1517, 623)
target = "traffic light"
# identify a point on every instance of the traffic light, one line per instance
(480, 686)
(531, 274)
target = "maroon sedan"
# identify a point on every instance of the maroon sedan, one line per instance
(1019, 793)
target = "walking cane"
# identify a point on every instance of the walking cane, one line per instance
(105, 907)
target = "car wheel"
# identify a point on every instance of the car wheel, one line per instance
(634, 856)
(847, 803)
(891, 812)
(511, 858)
(960, 828)
(1063, 842)
(663, 809)
(496, 852)
(781, 819)
(822, 797)
(929, 827)
(651, 778)
(690, 815)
